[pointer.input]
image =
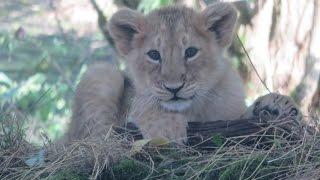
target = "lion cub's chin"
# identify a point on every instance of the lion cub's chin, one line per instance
(176, 106)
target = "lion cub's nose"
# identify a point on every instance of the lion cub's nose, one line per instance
(174, 88)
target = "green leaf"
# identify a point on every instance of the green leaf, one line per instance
(137, 146)
(159, 142)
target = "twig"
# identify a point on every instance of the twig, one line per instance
(102, 22)
(254, 68)
(58, 20)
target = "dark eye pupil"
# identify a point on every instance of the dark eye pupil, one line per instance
(154, 54)
(190, 52)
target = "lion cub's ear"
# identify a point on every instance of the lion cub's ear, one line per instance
(123, 27)
(220, 18)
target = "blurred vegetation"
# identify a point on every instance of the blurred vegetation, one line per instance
(146, 5)
(39, 72)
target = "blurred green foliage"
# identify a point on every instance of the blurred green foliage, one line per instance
(146, 5)
(38, 74)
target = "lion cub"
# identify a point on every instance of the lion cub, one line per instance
(175, 58)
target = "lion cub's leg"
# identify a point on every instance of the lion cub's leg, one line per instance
(278, 108)
(158, 124)
(96, 102)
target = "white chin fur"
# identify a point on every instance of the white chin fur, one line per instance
(179, 105)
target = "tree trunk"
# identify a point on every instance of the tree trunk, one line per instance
(283, 42)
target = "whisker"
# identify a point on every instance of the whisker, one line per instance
(205, 96)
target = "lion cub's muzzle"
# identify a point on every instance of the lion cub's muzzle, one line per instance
(176, 103)
(174, 89)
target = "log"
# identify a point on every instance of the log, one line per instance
(258, 131)
(200, 134)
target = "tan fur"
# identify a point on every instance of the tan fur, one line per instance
(212, 89)
(96, 103)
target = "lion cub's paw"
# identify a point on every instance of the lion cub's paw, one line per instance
(275, 106)
(175, 132)
(178, 136)
(166, 125)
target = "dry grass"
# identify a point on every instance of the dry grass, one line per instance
(271, 157)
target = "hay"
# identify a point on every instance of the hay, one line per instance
(87, 157)
(109, 157)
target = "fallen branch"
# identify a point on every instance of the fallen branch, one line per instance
(201, 134)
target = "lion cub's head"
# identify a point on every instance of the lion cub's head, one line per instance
(175, 54)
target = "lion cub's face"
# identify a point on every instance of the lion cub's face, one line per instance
(175, 53)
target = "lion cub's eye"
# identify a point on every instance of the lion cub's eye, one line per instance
(154, 55)
(190, 52)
